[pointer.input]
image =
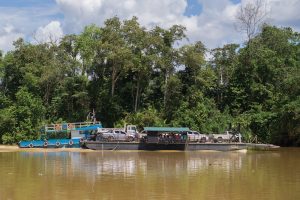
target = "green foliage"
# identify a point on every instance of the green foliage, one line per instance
(121, 68)
(148, 117)
(21, 119)
(266, 80)
(200, 113)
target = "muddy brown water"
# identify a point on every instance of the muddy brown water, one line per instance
(142, 175)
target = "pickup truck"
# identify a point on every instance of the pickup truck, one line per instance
(228, 136)
(195, 136)
(115, 135)
(128, 129)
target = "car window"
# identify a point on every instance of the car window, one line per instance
(122, 132)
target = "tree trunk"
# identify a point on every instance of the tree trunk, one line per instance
(83, 68)
(166, 89)
(47, 94)
(112, 88)
(137, 95)
(113, 81)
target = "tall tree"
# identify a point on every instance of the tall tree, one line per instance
(138, 40)
(224, 62)
(167, 56)
(86, 45)
(117, 53)
(250, 17)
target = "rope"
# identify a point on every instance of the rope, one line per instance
(115, 146)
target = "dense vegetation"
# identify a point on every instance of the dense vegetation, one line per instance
(130, 74)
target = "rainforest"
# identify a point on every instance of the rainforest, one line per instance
(130, 74)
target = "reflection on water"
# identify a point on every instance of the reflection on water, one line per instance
(150, 175)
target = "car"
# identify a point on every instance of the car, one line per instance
(227, 136)
(195, 136)
(115, 135)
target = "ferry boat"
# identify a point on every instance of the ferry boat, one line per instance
(169, 138)
(63, 135)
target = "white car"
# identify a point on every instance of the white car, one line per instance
(115, 135)
(195, 136)
(228, 136)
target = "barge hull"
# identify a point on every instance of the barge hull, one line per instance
(132, 146)
(96, 145)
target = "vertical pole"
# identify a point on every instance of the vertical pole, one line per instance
(94, 117)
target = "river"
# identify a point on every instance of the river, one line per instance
(150, 175)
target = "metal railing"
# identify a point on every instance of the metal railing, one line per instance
(68, 126)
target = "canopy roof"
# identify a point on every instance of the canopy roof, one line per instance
(89, 128)
(166, 129)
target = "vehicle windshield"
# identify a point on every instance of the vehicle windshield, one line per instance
(132, 128)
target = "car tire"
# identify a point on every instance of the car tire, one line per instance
(220, 139)
(130, 139)
(110, 139)
(203, 140)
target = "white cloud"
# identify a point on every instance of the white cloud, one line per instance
(214, 26)
(79, 13)
(52, 32)
(8, 35)
(285, 13)
(21, 22)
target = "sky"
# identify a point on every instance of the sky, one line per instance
(209, 21)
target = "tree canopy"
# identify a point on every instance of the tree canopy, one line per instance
(130, 74)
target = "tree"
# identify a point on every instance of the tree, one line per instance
(193, 58)
(173, 98)
(117, 53)
(86, 44)
(166, 56)
(71, 100)
(148, 117)
(130, 74)
(20, 120)
(199, 113)
(138, 39)
(258, 87)
(223, 63)
(250, 17)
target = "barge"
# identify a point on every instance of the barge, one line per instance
(170, 138)
(67, 135)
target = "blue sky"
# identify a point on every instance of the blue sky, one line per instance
(26, 3)
(193, 8)
(210, 21)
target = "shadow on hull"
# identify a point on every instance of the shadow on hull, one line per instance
(132, 146)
